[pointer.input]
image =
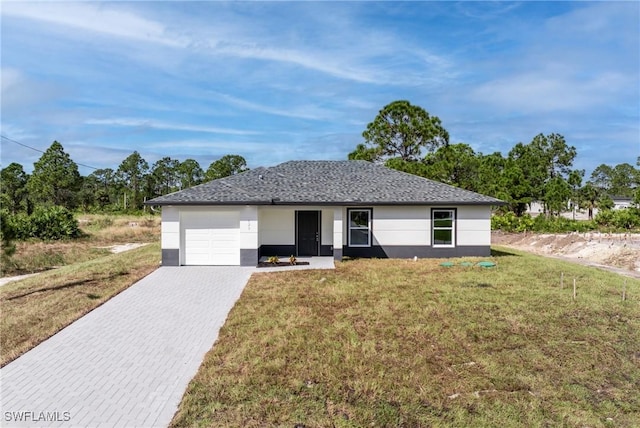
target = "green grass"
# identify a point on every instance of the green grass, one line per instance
(404, 343)
(35, 308)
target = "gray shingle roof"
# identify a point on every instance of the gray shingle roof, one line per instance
(324, 183)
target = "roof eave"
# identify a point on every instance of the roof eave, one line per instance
(322, 203)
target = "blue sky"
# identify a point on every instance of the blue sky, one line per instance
(275, 81)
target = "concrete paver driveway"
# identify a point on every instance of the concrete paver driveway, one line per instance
(127, 363)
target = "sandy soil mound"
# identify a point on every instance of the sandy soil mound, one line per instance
(621, 250)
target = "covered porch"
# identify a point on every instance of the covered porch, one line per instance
(301, 231)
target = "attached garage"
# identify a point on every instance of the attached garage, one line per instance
(210, 237)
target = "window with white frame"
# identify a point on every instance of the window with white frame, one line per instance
(443, 224)
(359, 227)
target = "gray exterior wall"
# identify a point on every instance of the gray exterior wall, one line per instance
(248, 257)
(170, 257)
(420, 251)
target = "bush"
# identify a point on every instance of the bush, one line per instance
(604, 218)
(22, 226)
(54, 223)
(628, 218)
(562, 225)
(509, 222)
(50, 223)
(625, 219)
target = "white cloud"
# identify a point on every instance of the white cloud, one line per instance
(533, 92)
(16, 133)
(207, 145)
(20, 92)
(296, 111)
(346, 52)
(10, 78)
(311, 60)
(156, 124)
(485, 10)
(577, 61)
(94, 18)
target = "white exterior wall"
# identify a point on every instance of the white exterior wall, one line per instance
(326, 229)
(473, 225)
(170, 237)
(249, 228)
(411, 225)
(277, 224)
(401, 225)
(620, 204)
(338, 227)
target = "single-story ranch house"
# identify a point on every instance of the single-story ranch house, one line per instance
(322, 208)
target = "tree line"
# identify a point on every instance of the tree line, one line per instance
(55, 181)
(402, 136)
(405, 137)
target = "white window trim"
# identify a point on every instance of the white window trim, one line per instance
(350, 228)
(452, 228)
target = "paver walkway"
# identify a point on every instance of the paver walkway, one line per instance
(128, 362)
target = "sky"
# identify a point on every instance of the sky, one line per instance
(278, 81)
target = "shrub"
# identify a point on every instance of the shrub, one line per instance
(506, 222)
(525, 223)
(273, 260)
(48, 223)
(627, 219)
(22, 226)
(53, 223)
(509, 222)
(604, 217)
(562, 225)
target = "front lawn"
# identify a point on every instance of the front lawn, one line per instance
(404, 343)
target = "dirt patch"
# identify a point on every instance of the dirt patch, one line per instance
(9, 279)
(620, 251)
(124, 247)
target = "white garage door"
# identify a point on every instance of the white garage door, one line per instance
(211, 237)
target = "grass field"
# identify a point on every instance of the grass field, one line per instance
(99, 232)
(35, 308)
(403, 343)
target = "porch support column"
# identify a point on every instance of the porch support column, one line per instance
(249, 236)
(337, 233)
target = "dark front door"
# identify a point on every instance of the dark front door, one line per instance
(308, 233)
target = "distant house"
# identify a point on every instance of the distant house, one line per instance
(620, 202)
(322, 208)
(535, 208)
